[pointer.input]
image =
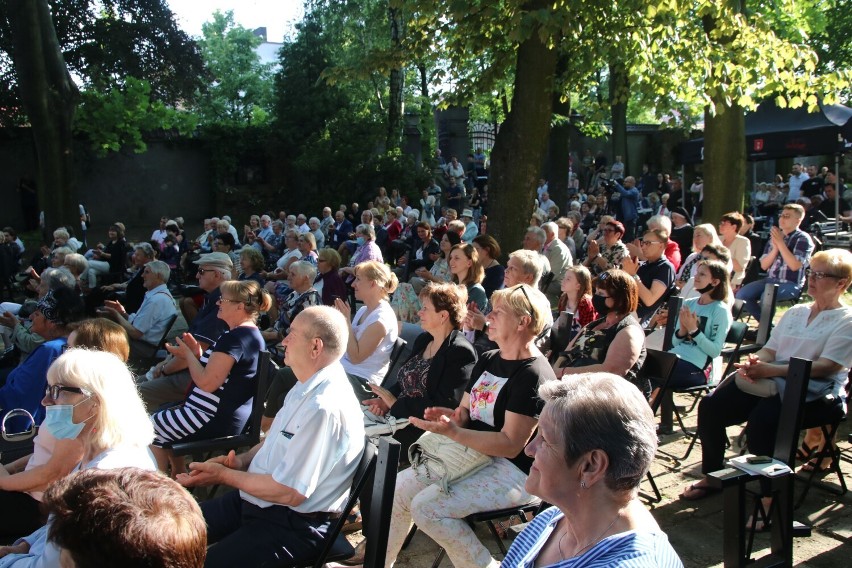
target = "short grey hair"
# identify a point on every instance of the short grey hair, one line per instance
(58, 278)
(330, 326)
(160, 268)
(291, 218)
(531, 263)
(265, 217)
(366, 230)
(146, 249)
(550, 227)
(313, 220)
(660, 222)
(602, 411)
(538, 233)
(278, 223)
(304, 268)
(77, 261)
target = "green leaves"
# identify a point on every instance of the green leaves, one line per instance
(119, 117)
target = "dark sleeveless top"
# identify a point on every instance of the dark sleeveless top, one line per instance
(592, 345)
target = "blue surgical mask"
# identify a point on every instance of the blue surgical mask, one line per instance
(58, 421)
(360, 241)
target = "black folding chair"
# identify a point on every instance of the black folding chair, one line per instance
(383, 461)
(735, 338)
(658, 368)
(250, 436)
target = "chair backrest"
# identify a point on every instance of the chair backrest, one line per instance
(752, 271)
(674, 305)
(658, 367)
(365, 469)
(790, 420)
(560, 334)
(162, 343)
(767, 312)
(737, 308)
(545, 281)
(735, 336)
(265, 368)
(381, 504)
(396, 352)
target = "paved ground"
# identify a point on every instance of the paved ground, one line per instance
(695, 528)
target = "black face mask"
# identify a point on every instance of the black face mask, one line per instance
(599, 303)
(705, 289)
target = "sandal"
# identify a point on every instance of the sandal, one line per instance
(811, 467)
(804, 452)
(696, 492)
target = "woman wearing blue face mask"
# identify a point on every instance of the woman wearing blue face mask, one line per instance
(365, 237)
(90, 398)
(57, 448)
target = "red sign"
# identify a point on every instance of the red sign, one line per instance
(758, 144)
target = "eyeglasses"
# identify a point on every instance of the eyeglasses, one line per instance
(524, 292)
(53, 391)
(230, 301)
(649, 243)
(819, 275)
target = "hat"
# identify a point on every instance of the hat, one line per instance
(682, 212)
(467, 213)
(48, 306)
(216, 259)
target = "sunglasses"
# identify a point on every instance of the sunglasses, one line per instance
(524, 292)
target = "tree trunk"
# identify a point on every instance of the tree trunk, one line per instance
(396, 84)
(521, 143)
(427, 120)
(619, 89)
(724, 146)
(560, 148)
(50, 99)
(724, 163)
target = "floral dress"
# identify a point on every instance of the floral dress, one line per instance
(405, 302)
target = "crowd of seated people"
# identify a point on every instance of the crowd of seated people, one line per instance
(479, 324)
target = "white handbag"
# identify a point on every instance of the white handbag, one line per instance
(438, 459)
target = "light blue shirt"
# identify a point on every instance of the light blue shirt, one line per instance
(154, 313)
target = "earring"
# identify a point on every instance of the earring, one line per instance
(582, 484)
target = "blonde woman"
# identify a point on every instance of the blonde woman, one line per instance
(497, 417)
(373, 330)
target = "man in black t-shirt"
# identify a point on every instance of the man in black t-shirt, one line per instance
(829, 207)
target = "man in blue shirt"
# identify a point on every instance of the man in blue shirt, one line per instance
(628, 211)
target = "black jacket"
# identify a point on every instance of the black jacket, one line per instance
(413, 264)
(450, 369)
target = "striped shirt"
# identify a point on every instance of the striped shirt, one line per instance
(629, 549)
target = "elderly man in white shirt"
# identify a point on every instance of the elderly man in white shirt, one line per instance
(295, 482)
(146, 326)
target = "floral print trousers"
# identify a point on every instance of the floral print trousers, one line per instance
(441, 516)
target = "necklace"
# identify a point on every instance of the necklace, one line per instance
(590, 543)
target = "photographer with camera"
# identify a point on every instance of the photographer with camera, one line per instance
(628, 210)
